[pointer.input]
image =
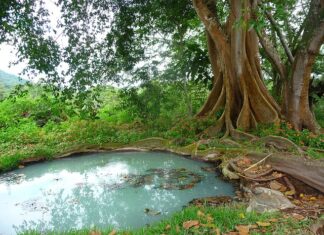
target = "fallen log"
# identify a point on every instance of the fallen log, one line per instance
(309, 171)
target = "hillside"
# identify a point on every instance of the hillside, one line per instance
(9, 80)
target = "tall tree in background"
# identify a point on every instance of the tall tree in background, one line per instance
(295, 65)
(234, 56)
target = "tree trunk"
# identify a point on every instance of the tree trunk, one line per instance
(238, 87)
(296, 107)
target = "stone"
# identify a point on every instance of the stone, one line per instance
(268, 200)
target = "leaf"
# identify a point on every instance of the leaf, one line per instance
(208, 225)
(178, 229)
(263, 224)
(297, 216)
(200, 214)
(95, 233)
(290, 193)
(273, 220)
(215, 231)
(275, 185)
(210, 218)
(241, 215)
(168, 227)
(190, 223)
(114, 232)
(242, 229)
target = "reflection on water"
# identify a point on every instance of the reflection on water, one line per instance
(101, 190)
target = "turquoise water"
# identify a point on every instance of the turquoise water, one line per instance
(124, 190)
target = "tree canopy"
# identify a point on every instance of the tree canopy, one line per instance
(236, 46)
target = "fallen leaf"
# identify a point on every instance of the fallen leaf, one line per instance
(241, 215)
(253, 226)
(263, 224)
(200, 213)
(21, 166)
(313, 199)
(95, 233)
(190, 223)
(297, 216)
(273, 220)
(178, 229)
(208, 225)
(215, 231)
(113, 232)
(290, 193)
(242, 229)
(275, 185)
(168, 227)
(210, 218)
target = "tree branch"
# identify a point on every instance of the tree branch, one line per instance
(272, 54)
(211, 24)
(281, 37)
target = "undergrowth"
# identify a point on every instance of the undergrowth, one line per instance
(212, 220)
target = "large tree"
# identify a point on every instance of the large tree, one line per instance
(299, 47)
(234, 55)
(107, 40)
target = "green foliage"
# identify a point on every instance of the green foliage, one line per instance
(224, 218)
(186, 131)
(284, 129)
(319, 110)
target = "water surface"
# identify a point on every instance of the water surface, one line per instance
(124, 190)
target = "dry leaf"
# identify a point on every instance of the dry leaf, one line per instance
(190, 223)
(113, 232)
(178, 229)
(263, 224)
(242, 229)
(241, 215)
(273, 220)
(21, 166)
(208, 225)
(290, 193)
(297, 216)
(215, 231)
(275, 185)
(210, 218)
(95, 233)
(200, 213)
(168, 227)
(253, 226)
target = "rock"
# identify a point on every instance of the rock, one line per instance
(151, 212)
(211, 157)
(268, 200)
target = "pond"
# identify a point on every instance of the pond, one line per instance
(124, 190)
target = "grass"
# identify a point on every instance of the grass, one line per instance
(211, 219)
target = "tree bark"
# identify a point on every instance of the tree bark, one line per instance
(238, 88)
(297, 108)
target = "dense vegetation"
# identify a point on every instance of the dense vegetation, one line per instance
(37, 124)
(185, 71)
